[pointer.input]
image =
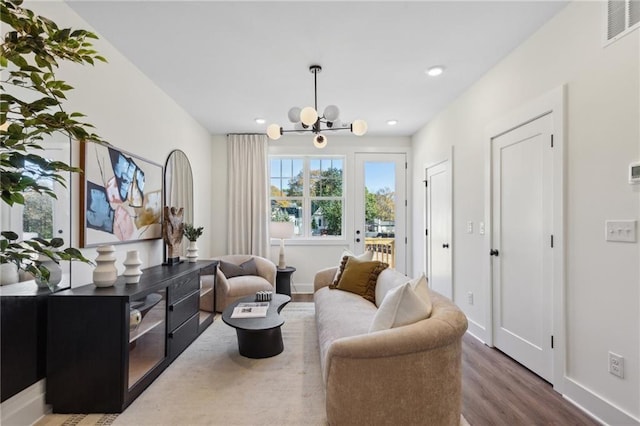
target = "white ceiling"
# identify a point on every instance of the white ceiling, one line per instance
(227, 63)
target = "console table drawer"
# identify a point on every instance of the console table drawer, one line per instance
(181, 337)
(180, 311)
(182, 286)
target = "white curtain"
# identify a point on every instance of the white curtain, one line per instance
(248, 195)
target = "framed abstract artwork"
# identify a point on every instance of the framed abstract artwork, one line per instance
(121, 196)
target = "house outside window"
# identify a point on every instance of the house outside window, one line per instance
(309, 190)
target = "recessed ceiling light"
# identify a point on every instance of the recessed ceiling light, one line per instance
(260, 120)
(392, 122)
(435, 71)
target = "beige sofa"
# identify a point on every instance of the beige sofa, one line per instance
(409, 375)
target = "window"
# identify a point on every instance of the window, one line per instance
(309, 191)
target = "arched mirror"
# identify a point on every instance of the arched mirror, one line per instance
(178, 187)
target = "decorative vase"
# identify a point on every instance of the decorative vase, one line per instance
(134, 319)
(8, 273)
(132, 270)
(192, 252)
(105, 274)
(55, 273)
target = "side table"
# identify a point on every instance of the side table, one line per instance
(283, 280)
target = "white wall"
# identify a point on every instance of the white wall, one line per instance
(132, 113)
(602, 115)
(307, 257)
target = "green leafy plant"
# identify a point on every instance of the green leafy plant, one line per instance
(192, 233)
(31, 99)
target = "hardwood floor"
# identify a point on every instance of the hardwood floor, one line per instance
(498, 391)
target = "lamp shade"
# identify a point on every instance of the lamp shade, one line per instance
(274, 131)
(308, 116)
(359, 127)
(320, 141)
(281, 230)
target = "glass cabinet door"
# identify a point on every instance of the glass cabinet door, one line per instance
(147, 335)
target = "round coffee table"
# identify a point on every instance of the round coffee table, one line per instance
(259, 337)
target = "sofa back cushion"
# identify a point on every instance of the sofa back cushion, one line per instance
(359, 277)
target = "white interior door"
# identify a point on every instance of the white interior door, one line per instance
(380, 208)
(438, 232)
(522, 259)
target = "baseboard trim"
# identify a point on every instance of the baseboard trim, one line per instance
(598, 408)
(302, 288)
(26, 407)
(477, 331)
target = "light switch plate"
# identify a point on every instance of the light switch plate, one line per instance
(620, 230)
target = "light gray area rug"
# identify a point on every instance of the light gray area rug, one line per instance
(212, 384)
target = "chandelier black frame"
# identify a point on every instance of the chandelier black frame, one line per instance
(312, 122)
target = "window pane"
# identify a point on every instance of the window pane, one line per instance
(292, 187)
(291, 208)
(325, 176)
(286, 167)
(274, 167)
(276, 189)
(326, 217)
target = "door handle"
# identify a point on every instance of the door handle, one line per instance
(358, 232)
(445, 245)
(494, 252)
(357, 240)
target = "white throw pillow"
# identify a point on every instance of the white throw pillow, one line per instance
(401, 306)
(419, 285)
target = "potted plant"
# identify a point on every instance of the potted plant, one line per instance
(31, 110)
(192, 233)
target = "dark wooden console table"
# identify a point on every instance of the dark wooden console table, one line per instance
(106, 345)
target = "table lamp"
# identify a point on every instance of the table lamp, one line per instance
(281, 230)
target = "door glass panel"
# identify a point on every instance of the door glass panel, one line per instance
(147, 335)
(380, 210)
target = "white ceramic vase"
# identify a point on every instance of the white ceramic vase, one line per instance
(192, 252)
(55, 273)
(105, 274)
(8, 273)
(132, 269)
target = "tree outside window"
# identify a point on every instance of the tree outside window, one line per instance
(313, 185)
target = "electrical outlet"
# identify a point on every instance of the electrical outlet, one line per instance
(616, 365)
(470, 297)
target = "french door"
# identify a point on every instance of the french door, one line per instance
(381, 207)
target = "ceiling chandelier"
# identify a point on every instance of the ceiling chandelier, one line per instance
(308, 119)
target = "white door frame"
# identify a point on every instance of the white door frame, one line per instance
(553, 103)
(425, 221)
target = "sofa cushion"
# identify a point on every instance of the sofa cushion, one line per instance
(340, 314)
(401, 306)
(359, 277)
(388, 280)
(231, 270)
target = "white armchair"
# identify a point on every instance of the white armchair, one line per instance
(231, 289)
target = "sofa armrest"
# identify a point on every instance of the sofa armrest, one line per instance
(409, 374)
(323, 278)
(266, 269)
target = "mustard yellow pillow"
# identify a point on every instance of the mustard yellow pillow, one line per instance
(359, 277)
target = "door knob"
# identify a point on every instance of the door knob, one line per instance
(357, 240)
(445, 245)
(494, 252)
(358, 232)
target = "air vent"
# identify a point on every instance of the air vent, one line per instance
(623, 16)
